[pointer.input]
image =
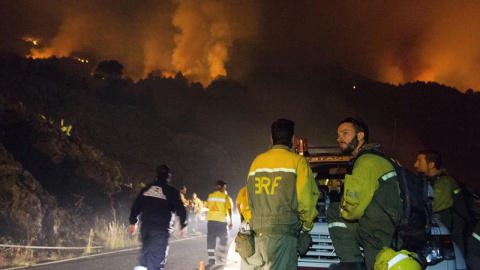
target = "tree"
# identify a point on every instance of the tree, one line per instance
(111, 69)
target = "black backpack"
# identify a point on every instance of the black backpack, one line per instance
(415, 224)
(464, 206)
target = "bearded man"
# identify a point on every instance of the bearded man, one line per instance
(370, 206)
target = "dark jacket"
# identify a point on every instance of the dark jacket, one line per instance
(156, 203)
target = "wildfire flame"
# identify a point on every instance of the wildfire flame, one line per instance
(81, 60)
(31, 40)
(168, 74)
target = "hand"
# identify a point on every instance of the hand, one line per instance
(230, 225)
(131, 229)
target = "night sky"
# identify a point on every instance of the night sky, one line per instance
(389, 41)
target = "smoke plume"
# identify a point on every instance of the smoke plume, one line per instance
(390, 41)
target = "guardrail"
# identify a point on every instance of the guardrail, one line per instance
(45, 247)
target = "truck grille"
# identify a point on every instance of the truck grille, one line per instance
(322, 252)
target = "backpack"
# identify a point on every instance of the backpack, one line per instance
(415, 223)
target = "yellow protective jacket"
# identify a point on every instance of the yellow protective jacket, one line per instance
(444, 187)
(362, 183)
(242, 200)
(218, 204)
(281, 190)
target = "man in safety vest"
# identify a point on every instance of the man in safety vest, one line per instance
(282, 197)
(219, 206)
(371, 205)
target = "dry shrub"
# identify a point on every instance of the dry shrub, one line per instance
(114, 235)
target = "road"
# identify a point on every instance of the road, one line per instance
(184, 254)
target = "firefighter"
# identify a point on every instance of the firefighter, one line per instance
(242, 205)
(282, 197)
(183, 192)
(195, 209)
(370, 206)
(219, 206)
(450, 208)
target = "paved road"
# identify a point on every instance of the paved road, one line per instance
(184, 254)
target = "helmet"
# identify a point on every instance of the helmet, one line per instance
(388, 259)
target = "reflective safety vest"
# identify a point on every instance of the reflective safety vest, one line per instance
(218, 204)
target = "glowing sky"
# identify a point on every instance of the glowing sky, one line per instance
(391, 41)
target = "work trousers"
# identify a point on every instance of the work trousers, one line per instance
(154, 249)
(217, 229)
(373, 231)
(273, 252)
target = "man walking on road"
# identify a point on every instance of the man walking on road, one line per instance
(156, 203)
(219, 207)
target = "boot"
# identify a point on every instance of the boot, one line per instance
(210, 265)
(347, 266)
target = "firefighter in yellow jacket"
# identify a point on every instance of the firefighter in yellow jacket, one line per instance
(282, 197)
(370, 207)
(219, 206)
(242, 205)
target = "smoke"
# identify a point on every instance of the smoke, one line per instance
(208, 30)
(192, 37)
(388, 41)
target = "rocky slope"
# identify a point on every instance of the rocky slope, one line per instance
(52, 187)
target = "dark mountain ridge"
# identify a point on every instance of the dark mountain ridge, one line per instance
(123, 129)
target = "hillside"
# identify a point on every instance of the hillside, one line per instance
(122, 129)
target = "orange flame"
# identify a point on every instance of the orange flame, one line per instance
(81, 60)
(168, 74)
(32, 40)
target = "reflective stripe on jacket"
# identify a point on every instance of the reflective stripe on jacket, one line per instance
(443, 187)
(218, 204)
(361, 185)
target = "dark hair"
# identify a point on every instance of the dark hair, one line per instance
(432, 156)
(282, 132)
(358, 125)
(162, 172)
(220, 184)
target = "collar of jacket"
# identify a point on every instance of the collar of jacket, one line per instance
(439, 174)
(369, 146)
(280, 146)
(160, 182)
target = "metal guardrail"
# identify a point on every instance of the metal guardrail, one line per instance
(44, 247)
